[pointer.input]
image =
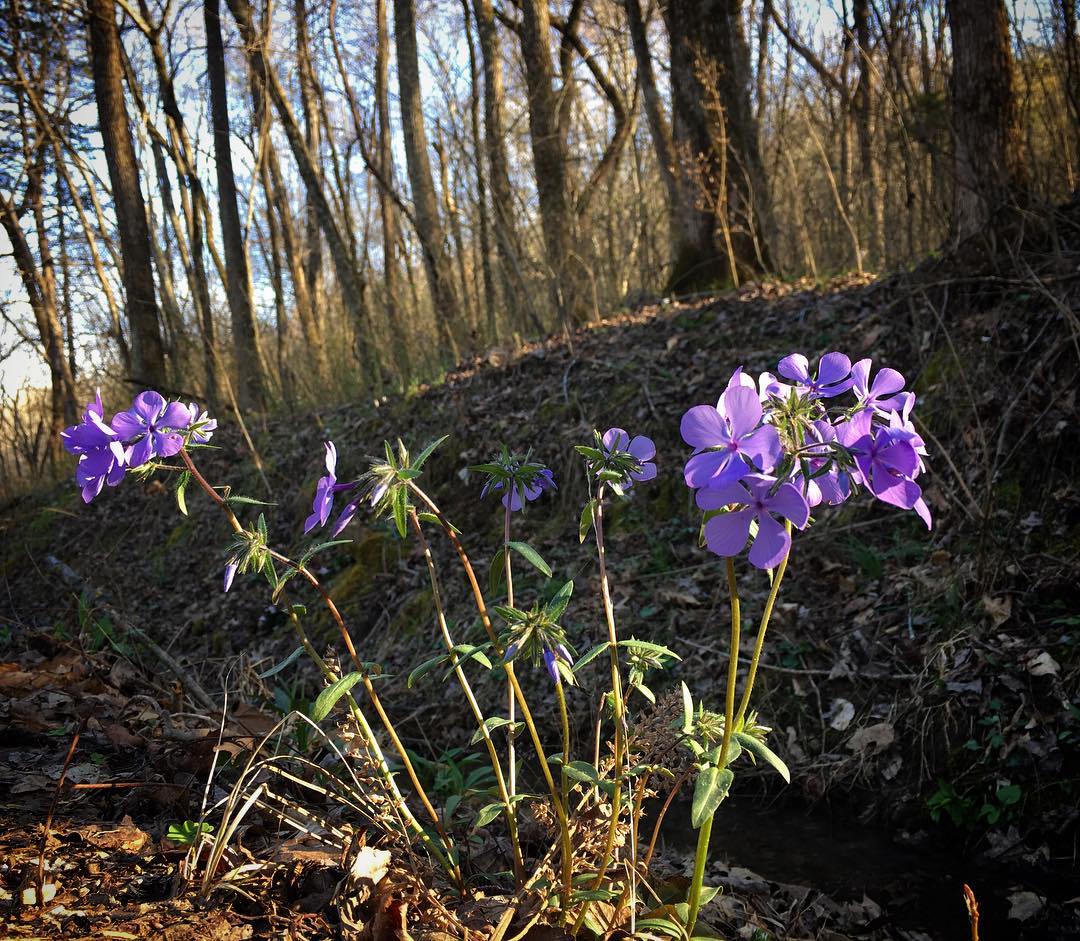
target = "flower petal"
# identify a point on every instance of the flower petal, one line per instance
(790, 504)
(148, 405)
(128, 424)
(742, 408)
(771, 544)
(702, 427)
(616, 439)
(795, 367)
(727, 533)
(642, 448)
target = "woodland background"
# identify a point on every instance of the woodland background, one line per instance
(295, 203)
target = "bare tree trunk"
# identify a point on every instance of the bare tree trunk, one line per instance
(251, 391)
(350, 277)
(989, 162)
(312, 137)
(490, 318)
(1071, 47)
(550, 161)
(507, 239)
(870, 184)
(437, 261)
(147, 349)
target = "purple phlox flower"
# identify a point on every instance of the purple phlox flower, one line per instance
(726, 533)
(639, 447)
(833, 486)
(201, 424)
(901, 419)
(349, 511)
(520, 492)
(551, 657)
(101, 455)
(833, 374)
(98, 467)
(735, 434)
(767, 386)
(881, 394)
(152, 427)
(324, 491)
(887, 462)
(230, 572)
(91, 433)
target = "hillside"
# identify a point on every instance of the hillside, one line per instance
(923, 687)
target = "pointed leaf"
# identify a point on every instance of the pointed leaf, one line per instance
(586, 521)
(328, 697)
(532, 557)
(712, 787)
(760, 750)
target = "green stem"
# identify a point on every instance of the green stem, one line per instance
(759, 643)
(339, 621)
(496, 765)
(511, 706)
(618, 706)
(564, 788)
(705, 833)
(526, 714)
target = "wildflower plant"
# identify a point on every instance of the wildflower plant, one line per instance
(765, 460)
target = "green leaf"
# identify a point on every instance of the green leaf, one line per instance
(582, 771)
(426, 667)
(557, 605)
(591, 655)
(487, 813)
(181, 486)
(310, 553)
(400, 506)
(643, 646)
(427, 452)
(586, 522)
(433, 519)
(329, 696)
(490, 725)
(247, 501)
(709, 792)
(495, 572)
(275, 670)
(532, 557)
(187, 832)
(760, 750)
(688, 709)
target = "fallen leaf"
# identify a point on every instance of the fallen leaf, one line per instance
(840, 714)
(879, 736)
(999, 610)
(1023, 906)
(1042, 664)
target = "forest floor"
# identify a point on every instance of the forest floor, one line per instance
(923, 687)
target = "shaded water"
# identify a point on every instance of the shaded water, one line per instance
(830, 851)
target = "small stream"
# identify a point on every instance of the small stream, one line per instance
(832, 852)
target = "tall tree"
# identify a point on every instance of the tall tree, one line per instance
(147, 349)
(437, 261)
(251, 392)
(309, 95)
(550, 158)
(862, 100)
(989, 161)
(716, 136)
(507, 238)
(350, 277)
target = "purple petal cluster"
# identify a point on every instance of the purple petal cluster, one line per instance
(328, 488)
(639, 447)
(769, 451)
(521, 492)
(151, 428)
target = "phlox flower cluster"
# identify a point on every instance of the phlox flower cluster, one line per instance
(772, 450)
(152, 428)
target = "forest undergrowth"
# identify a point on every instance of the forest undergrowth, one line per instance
(921, 687)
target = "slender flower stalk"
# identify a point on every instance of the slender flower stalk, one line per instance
(701, 854)
(335, 614)
(496, 765)
(564, 786)
(618, 706)
(759, 643)
(566, 847)
(511, 706)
